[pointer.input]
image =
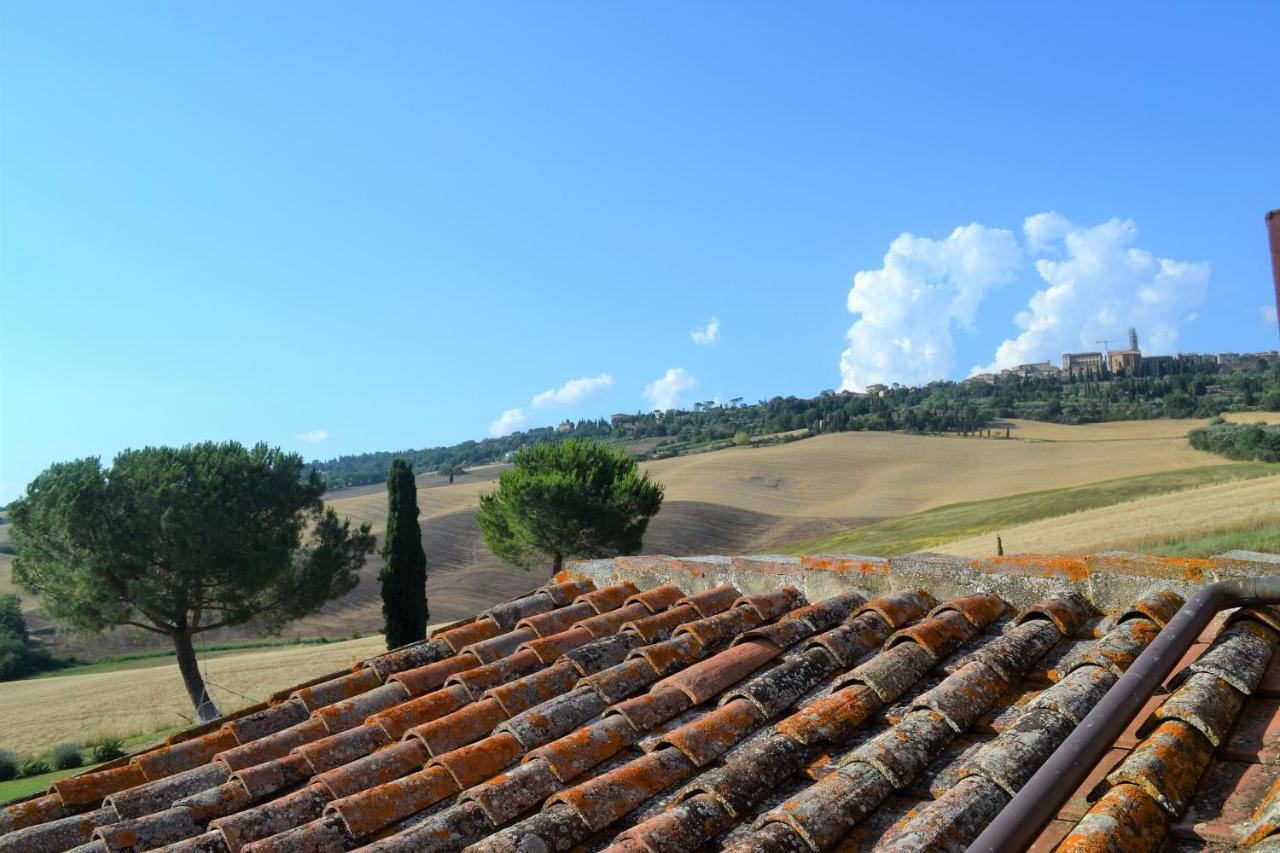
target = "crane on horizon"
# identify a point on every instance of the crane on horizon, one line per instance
(1106, 345)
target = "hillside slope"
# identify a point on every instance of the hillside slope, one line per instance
(1137, 524)
(744, 500)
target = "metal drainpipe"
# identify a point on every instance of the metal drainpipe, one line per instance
(1020, 822)
(1273, 234)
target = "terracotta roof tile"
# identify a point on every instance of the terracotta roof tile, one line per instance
(268, 721)
(657, 599)
(398, 720)
(424, 679)
(372, 809)
(1124, 819)
(648, 720)
(342, 687)
(555, 621)
(463, 636)
(1153, 785)
(508, 614)
(161, 794)
(609, 598)
(271, 777)
(899, 608)
(375, 769)
(712, 601)
(565, 592)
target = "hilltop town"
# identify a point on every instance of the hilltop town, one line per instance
(1127, 362)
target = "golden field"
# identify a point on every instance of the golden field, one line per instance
(1137, 524)
(39, 712)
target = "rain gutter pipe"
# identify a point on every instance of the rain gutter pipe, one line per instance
(1020, 822)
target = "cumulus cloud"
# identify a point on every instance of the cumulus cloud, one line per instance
(315, 436)
(708, 334)
(508, 422)
(665, 393)
(908, 308)
(573, 391)
(1097, 284)
(1268, 314)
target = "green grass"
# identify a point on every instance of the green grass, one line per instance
(17, 789)
(923, 530)
(140, 660)
(1264, 538)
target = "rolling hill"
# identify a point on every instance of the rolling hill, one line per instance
(762, 499)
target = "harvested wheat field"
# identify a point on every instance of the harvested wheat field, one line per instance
(1122, 430)
(883, 474)
(745, 500)
(77, 708)
(1137, 524)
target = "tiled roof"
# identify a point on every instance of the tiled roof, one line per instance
(602, 716)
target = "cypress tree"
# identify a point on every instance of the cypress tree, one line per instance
(404, 563)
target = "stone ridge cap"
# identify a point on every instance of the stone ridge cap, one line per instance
(1118, 562)
(1109, 580)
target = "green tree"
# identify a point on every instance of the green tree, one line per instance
(180, 541)
(18, 656)
(11, 622)
(404, 563)
(451, 470)
(575, 498)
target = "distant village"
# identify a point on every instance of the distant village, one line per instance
(1120, 362)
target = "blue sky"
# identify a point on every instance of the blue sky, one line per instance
(340, 228)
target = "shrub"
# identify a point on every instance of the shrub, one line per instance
(1239, 441)
(108, 749)
(8, 765)
(33, 766)
(66, 756)
(18, 657)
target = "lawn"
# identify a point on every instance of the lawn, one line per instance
(922, 530)
(17, 789)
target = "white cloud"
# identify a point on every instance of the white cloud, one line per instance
(908, 308)
(573, 391)
(708, 334)
(665, 393)
(1267, 313)
(314, 437)
(508, 422)
(1097, 285)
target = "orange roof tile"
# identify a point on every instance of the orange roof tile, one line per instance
(663, 720)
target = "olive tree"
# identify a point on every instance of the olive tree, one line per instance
(181, 541)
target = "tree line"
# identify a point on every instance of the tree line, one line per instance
(1176, 388)
(1239, 441)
